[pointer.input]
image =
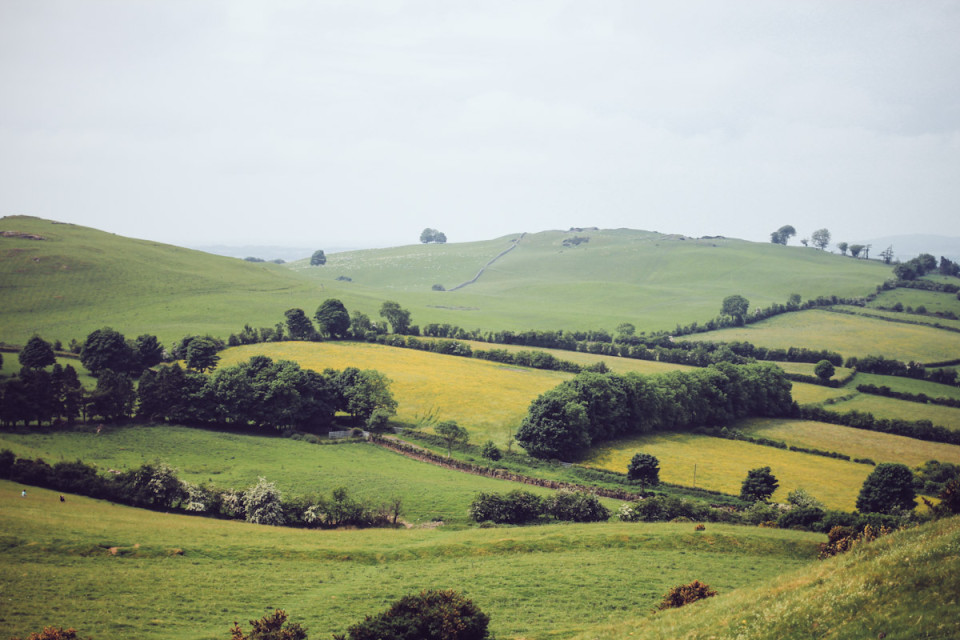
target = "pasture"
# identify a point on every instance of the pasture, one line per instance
(909, 385)
(932, 301)
(722, 465)
(856, 443)
(899, 316)
(881, 407)
(112, 571)
(489, 399)
(233, 460)
(848, 335)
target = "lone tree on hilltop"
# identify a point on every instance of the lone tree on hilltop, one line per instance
(318, 258)
(888, 489)
(783, 234)
(758, 485)
(824, 370)
(432, 235)
(37, 354)
(855, 250)
(843, 248)
(735, 306)
(820, 238)
(645, 468)
(887, 255)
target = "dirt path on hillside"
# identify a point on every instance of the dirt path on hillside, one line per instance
(486, 266)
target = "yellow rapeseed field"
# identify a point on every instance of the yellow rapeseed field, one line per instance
(722, 465)
(487, 398)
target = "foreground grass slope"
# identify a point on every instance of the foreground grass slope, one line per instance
(78, 279)
(900, 587)
(113, 571)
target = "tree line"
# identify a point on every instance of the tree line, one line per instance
(565, 421)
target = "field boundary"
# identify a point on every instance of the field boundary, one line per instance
(486, 266)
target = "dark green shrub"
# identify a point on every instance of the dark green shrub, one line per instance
(803, 518)
(490, 451)
(430, 615)
(888, 489)
(685, 594)
(515, 507)
(270, 627)
(576, 506)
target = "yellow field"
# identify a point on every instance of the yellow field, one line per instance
(805, 393)
(847, 335)
(486, 398)
(723, 464)
(856, 443)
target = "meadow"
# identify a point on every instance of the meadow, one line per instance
(879, 406)
(112, 571)
(909, 385)
(722, 465)
(899, 587)
(856, 443)
(233, 460)
(848, 335)
(932, 301)
(489, 399)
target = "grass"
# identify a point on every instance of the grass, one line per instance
(847, 335)
(722, 465)
(487, 398)
(231, 460)
(857, 443)
(881, 407)
(80, 279)
(11, 366)
(933, 301)
(807, 369)
(896, 316)
(186, 577)
(900, 587)
(909, 385)
(805, 393)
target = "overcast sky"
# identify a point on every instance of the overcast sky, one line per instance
(360, 123)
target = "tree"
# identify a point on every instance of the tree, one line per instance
(824, 370)
(855, 250)
(332, 318)
(802, 499)
(905, 271)
(887, 255)
(783, 234)
(270, 628)
(363, 392)
(202, 355)
(805, 241)
(625, 330)
(148, 350)
(261, 503)
(432, 235)
(108, 349)
(888, 489)
(114, 396)
(843, 248)
(820, 238)
(451, 433)
(645, 468)
(490, 451)
(430, 615)
(556, 426)
(758, 485)
(37, 354)
(298, 325)
(360, 324)
(735, 306)
(318, 258)
(398, 317)
(948, 267)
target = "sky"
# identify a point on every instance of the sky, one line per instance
(337, 123)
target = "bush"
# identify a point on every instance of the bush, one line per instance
(262, 505)
(430, 615)
(802, 518)
(490, 451)
(758, 485)
(888, 489)
(576, 506)
(515, 507)
(52, 633)
(270, 628)
(685, 594)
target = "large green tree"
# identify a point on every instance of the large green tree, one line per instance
(202, 355)
(820, 238)
(108, 349)
(735, 306)
(398, 317)
(37, 354)
(759, 484)
(332, 318)
(888, 489)
(298, 325)
(645, 468)
(783, 234)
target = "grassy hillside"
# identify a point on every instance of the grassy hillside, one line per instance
(118, 572)
(899, 587)
(78, 279)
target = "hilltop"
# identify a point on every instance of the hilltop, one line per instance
(76, 279)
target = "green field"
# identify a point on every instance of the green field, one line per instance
(908, 385)
(897, 316)
(845, 334)
(230, 460)
(808, 369)
(80, 279)
(881, 407)
(933, 301)
(856, 443)
(900, 587)
(173, 576)
(721, 465)
(487, 398)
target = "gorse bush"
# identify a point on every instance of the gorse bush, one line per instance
(685, 594)
(270, 627)
(52, 633)
(429, 615)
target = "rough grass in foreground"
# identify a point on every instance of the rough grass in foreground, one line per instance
(900, 587)
(173, 576)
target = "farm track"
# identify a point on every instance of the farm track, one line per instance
(489, 264)
(425, 455)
